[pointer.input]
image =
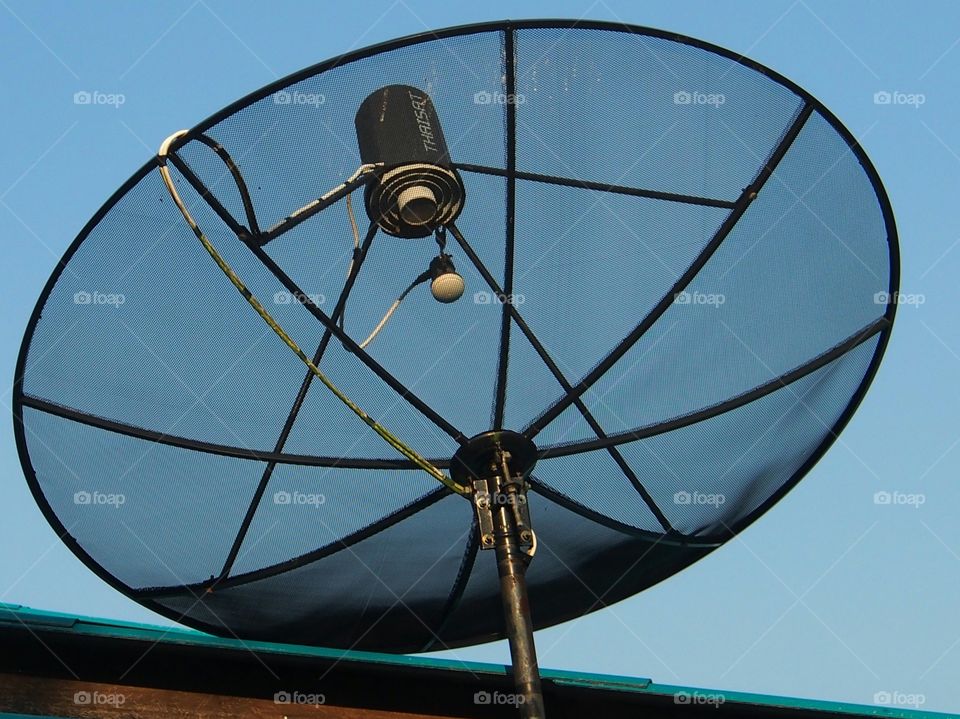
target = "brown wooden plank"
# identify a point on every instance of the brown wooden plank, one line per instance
(27, 694)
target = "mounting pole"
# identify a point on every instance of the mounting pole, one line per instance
(496, 464)
(512, 566)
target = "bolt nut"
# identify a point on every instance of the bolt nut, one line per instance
(487, 539)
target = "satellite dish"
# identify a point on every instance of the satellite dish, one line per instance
(659, 277)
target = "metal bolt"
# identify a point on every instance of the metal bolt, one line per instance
(487, 539)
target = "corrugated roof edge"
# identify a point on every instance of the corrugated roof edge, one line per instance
(17, 614)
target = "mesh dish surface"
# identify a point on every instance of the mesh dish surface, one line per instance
(690, 260)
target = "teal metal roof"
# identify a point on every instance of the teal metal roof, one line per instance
(16, 614)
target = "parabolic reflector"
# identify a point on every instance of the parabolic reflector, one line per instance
(677, 266)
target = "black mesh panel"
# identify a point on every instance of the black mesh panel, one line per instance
(682, 231)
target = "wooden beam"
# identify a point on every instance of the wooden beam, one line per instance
(28, 694)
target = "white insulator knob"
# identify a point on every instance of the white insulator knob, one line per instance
(448, 287)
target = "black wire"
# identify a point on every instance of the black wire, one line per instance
(237, 178)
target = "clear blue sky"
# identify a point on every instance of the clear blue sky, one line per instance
(827, 596)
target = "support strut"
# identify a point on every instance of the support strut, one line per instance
(495, 465)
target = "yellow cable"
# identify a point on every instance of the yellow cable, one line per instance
(391, 439)
(356, 233)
